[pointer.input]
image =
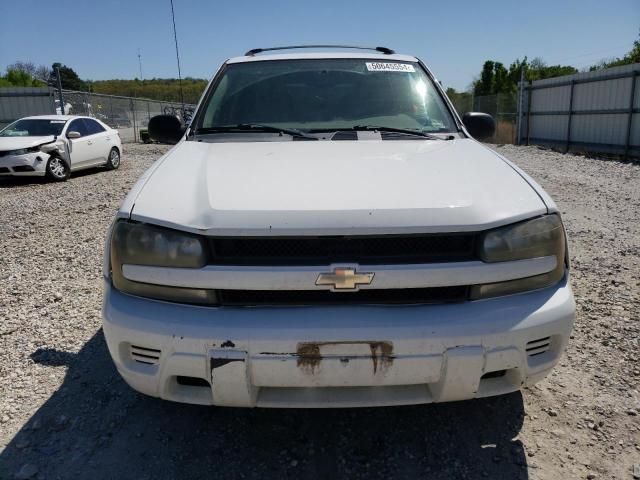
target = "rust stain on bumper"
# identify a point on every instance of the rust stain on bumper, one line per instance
(309, 356)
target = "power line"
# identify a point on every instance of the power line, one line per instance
(175, 38)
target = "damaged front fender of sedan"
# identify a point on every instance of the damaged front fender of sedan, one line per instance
(56, 147)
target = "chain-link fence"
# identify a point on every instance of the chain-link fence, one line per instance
(503, 107)
(129, 115)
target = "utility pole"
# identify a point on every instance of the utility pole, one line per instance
(60, 90)
(140, 64)
(175, 38)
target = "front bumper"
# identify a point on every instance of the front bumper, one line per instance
(336, 356)
(27, 165)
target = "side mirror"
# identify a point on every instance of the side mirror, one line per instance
(166, 129)
(479, 125)
(73, 134)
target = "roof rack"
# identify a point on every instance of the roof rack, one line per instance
(385, 50)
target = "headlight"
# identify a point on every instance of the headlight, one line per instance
(142, 244)
(540, 237)
(23, 151)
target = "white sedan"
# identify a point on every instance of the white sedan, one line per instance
(56, 145)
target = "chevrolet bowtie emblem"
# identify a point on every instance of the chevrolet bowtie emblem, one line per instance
(344, 278)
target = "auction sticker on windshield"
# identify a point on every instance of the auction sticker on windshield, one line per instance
(389, 67)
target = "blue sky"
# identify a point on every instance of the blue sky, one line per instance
(100, 38)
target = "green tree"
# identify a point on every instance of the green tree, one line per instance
(515, 68)
(40, 73)
(485, 85)
(502, 83)
(495, 78)
(19, 78)
(633, 56)
(538, 70)
(68, 77)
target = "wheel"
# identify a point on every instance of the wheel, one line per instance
(113, 161)
(57, 169)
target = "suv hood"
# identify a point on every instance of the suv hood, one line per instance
(15, 143)
(333, 187)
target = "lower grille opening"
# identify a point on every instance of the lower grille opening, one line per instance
(23, 168)
(192, 381)
(538, 347)
(395, 296)
(148, 356)
(496, 374)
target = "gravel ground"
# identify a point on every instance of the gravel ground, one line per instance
(65, 413)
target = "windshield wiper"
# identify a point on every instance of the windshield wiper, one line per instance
(372, 128)
(406, 131)
(255, 127)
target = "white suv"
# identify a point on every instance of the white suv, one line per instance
(327, 233)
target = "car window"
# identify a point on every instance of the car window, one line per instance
(32, 127)
(78, 126)
(93, 127)
(327, 93)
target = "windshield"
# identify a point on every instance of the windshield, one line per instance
(33, 128)
(325, 94)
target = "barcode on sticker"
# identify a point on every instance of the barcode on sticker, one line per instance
(389, 67)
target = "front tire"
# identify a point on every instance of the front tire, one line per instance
(57, 169)
(113, 161)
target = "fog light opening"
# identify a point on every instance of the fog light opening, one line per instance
(496, 374)
(192, 381)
